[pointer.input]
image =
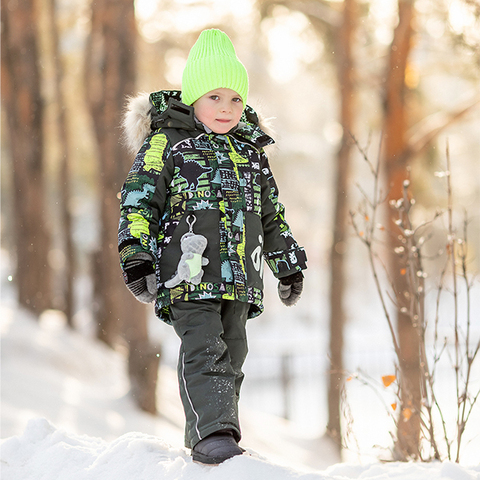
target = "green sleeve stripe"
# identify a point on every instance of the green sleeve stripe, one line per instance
(153, 159)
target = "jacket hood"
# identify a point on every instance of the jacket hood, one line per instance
(163, 109)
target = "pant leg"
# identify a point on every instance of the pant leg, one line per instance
(234, 319)
(208, 381)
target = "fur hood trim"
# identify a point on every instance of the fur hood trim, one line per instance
(136, 122)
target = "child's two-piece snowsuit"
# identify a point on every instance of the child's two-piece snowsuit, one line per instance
(223, 186)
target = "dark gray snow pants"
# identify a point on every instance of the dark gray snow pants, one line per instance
(212, 352)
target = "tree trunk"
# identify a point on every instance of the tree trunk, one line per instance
(323, 17)
(21, 97)
(64, 178)
(110, 77)
(344, 64)
(394, 146)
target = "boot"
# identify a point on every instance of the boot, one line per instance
(216, 448)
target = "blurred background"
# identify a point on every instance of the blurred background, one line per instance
(342, 86)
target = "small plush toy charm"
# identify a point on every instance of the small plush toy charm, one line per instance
(191, 262)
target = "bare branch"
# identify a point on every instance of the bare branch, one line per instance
(413, 238)
(420, 136)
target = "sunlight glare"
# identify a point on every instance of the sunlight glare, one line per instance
(385, 16)
(175, 61)
(290, 43)
(460, 16)
(188, 15)
(144, 9)
(332, 131)
(435, 27)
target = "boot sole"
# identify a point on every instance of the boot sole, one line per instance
(211, 461)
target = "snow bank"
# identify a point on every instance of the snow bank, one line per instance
(45, 452)
(67, 415)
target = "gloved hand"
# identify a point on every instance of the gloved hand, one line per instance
(290, 288)
(139, 275)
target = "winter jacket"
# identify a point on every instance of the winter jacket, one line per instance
(225, 181)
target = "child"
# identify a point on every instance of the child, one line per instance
(199, 212)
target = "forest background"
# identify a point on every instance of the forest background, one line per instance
(340, 82)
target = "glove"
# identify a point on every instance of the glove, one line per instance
(290, 288)
(139, 276)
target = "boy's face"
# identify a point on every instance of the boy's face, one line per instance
(220, 110)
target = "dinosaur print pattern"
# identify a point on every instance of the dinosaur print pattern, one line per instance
(226, 181)
(191, 169)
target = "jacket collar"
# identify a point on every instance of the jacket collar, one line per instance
(169, 112)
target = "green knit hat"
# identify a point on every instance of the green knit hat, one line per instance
(212, 63)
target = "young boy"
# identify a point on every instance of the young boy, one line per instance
(199, 212)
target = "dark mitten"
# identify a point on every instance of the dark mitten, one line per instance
(139, 275)
(290, 288)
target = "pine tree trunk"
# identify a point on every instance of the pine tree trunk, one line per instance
(110, 77)
(344, 64)
(64, 178)
(394, 147)
(22, 100)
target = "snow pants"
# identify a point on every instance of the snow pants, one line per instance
(212, 352)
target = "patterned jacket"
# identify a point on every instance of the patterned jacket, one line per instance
(226, 183)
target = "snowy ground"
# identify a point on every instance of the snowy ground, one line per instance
(66, 412)
(66, 415)
(44, 452)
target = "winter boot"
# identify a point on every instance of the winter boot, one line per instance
(216, 448)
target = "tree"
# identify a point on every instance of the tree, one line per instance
(22, 100)
(65, 158)
(337, 27)
(399, 148)
(394, 140)
(110, 77)
(344, 66)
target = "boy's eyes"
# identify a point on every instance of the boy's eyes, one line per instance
(217, 97)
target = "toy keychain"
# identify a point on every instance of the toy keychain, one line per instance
(190, 224)
(190, 265)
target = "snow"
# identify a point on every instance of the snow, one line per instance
(67, 415)
(45, 452)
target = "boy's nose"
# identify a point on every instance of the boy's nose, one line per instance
(225, 106)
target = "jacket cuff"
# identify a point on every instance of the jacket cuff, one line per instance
(138, 269)
(286, 262)
(127, 250)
